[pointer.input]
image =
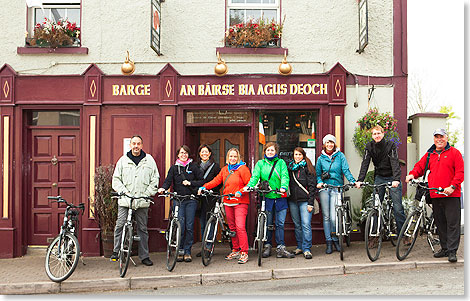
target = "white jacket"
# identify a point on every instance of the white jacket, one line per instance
(136, 180)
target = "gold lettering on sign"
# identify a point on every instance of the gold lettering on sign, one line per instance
(127, 90)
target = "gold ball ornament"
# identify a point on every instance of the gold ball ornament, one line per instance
(221, 68)
(285, 68)
(128, 67)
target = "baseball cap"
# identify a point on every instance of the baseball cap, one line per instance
(440, 132)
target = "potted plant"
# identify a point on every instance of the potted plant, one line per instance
(362, 134)
(105, 207)
(55, 34)
(254, 34)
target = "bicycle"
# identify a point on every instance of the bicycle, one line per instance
(417, 223)
(380, 223)
(127, 236)
(64, 251)
(343, 216)
(261, 219)
(216, 218)
(173, 231)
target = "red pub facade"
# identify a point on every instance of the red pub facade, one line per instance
(57, 129)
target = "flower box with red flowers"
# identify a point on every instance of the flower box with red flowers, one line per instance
(62, 33)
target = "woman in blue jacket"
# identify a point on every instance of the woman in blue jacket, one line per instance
(331, 162)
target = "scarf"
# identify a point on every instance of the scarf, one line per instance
(296, 166)
(181, 163)
(271, 158)
(232, 168)
(205, 165)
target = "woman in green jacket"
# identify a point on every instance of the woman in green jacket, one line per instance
(274, 202)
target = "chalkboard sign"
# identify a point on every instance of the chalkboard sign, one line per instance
(287, 141)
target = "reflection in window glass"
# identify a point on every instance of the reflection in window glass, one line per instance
(55, 118)
(289, 130)
(237, 16)
(54, 14)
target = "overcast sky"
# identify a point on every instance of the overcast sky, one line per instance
(436, 53)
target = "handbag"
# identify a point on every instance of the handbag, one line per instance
(264, 185)
(421, 190)
(316, 205)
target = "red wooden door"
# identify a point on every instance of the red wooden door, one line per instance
(55, 170)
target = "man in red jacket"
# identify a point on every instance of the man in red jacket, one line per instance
(447, 171)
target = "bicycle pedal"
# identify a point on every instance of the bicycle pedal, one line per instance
(231, 233)
(270, 228)
(136, 238)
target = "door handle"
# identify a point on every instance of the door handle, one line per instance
(54, 160)
(54, 184)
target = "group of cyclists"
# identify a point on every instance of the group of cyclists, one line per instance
(297, 184)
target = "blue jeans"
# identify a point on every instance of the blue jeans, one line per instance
(327, 200)
(395, 195)
(280, 220)
(303, 229)
(186, 214)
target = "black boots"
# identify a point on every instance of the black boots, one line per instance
(336, 244)
(329, 248)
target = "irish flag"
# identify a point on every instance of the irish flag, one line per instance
(262, 138)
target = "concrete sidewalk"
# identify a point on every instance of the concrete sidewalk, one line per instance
(26, 275)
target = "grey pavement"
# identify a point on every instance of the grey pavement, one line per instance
(26, 275)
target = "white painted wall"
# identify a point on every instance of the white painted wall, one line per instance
(315, 32)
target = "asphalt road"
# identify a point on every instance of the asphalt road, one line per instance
(442, 280)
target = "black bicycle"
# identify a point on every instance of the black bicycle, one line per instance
(380, 223)
(419, 222)
(173, 231)
(343, 216)
(262, 226)
(63, 252)
(216, 219)
(127, 236)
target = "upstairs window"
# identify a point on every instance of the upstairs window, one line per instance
(242, 11)
(55, 11)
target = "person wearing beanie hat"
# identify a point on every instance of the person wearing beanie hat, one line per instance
(333, 163)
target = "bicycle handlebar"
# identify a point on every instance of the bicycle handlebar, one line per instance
(263, 191)
(422, 184)
(177, 196)
(120, 194)
(345, 186)
(387, 184)
(60, 199)
(212, 193)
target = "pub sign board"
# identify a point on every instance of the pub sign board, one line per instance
(155, 26)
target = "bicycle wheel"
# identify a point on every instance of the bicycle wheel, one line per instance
(393, 234)
(348, 224)
(260, 236)
(408, 234)
(373, 235)
(432, 237)
(61, 260)
(208, 240)
(339, 231)
(126, 249)
(173, 244)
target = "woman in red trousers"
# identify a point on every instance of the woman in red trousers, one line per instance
(234, 176)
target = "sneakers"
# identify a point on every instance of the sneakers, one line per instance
(283, 253)
(147, 262)
(441, 253)
(452, 256)
(297, 251)
(243, 257)
(308, 255)
(267, 250)
(187, 258)
(233, 255)
(180, 257)
(114, 257)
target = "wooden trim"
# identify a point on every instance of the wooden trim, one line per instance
(6, 164)
(338, 130)
(263, 51)
(60, 50)
(92, 163)
(168, 148)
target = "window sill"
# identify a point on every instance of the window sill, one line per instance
(59, 50)
(262, 50)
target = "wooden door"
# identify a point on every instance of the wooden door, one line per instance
(55, 170)
(222, 142)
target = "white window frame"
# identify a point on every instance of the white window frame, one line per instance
(276, 5)
(48, 4)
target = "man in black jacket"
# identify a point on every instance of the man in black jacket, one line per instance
(384, 155)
